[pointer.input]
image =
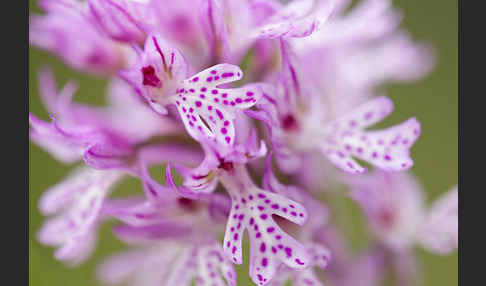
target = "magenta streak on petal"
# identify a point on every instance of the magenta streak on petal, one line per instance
(160, 52)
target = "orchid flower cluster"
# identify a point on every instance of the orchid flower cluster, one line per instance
(218, 91)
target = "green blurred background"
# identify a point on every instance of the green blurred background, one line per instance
(433, 100)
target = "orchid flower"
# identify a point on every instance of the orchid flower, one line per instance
(321, 255)
(206, 109)
(170, 263)
(121, 20)
(170, 228)
(76, 204)
(104, 137)
(394, 205)
(251, 209)
(297, 124)
(190, 83)
(66, 31)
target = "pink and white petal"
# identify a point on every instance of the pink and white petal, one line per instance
(151, 233)
(376, 63)
(120, 20)
(48, 137)
(439, 232)
(297, 19)
(321, 255)
(388, 149)
(205, 119)
(304, 27)
(183, 267)
(77, 249)
(306, 277)
(112, 205)
(261, 115)
(233, 236)
(283, 207)
(74, 230)
(138, 212)
(108, 155)
(161, 153)
(212, 19)
(344, 161)
(262, 10)
(213, 76)
(120, 267)
(370, 19)
(196, 187)
(289, 28)
(55, 102)
(84, 211)
(365, 115)
(242, 97)
(269, 247)
(59, 196)
(269, 244)
(207, 110)
(274, 30)
(213, 265)
(56, 230)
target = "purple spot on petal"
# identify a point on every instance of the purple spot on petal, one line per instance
(149, 77)
(264, 262)
(219, 113)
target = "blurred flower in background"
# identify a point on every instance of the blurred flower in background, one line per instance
(217, 91)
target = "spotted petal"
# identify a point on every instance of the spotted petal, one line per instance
(297, 19)
(208, 110)
(210, 262)
(387, 149)
(252, 210)
(74, 229)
